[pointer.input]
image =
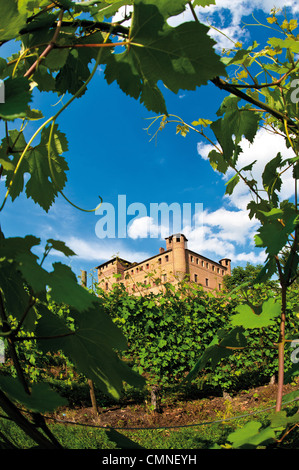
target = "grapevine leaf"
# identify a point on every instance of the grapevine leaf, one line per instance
(202, 122)
(42, 398)
(91, 347)
(17, 98)
(32, 272)
(217, 161)
(40, 187)
(271, 179)
(20, 268)
(181, 57)
(65, 289)
(251, 435)
(289, 43)
(60, 246)
(291, 267)
(14, 146)
(56, 59)
(274, 235)
(292, 372)
(203, 3)
(230, 185)
(221, 346)
(11, 20)
(266, 272)
(236, 123)
(13, 290)
(251, 317)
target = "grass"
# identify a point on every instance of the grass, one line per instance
(86, 437)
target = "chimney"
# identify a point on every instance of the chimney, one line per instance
(161, 250)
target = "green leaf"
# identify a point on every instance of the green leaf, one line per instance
(61, 246)
(221, 346)
(91, 347)
(266, 272)
(251, 435)
(271, 179)
(274, 235)
(14, 146)
(218, 162)
(11, 19)
(290, 43)
(41, 399)
(65, 288)
(56, 59)
(230, 185)
(158, 52)
(203, 3)
(292, 372)
(17, 98)
(201, 122)
(236, 123)
(12, 284)
(45, 182)
(253, 317)
(32, 272)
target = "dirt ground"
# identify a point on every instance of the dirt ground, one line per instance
(176, 414)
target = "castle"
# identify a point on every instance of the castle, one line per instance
(169, 265)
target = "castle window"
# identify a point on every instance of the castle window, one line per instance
(178, 239)
(147, 266)
(195, 277)
(106, 286)
(159, 261)
(207, 282)
(213, 268)
(191, 259)
(222, 272)
(202, 263)
(197, 260)
(207, 265)
(166, 258)
(218, 270)
(219, 285)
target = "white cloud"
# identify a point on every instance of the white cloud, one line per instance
(98, 252)
(227, 16)
(229, 232)
(144, 227)
(264, 148)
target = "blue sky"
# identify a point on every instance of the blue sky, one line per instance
(111, 154)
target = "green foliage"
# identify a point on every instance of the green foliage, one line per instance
(168, 331)
(61, 46)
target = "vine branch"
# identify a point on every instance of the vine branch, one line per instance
(48, 49)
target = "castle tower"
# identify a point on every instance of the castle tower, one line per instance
(226, 262)
(178, 244)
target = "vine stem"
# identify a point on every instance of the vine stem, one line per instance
(281, 350)
(48, 49)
